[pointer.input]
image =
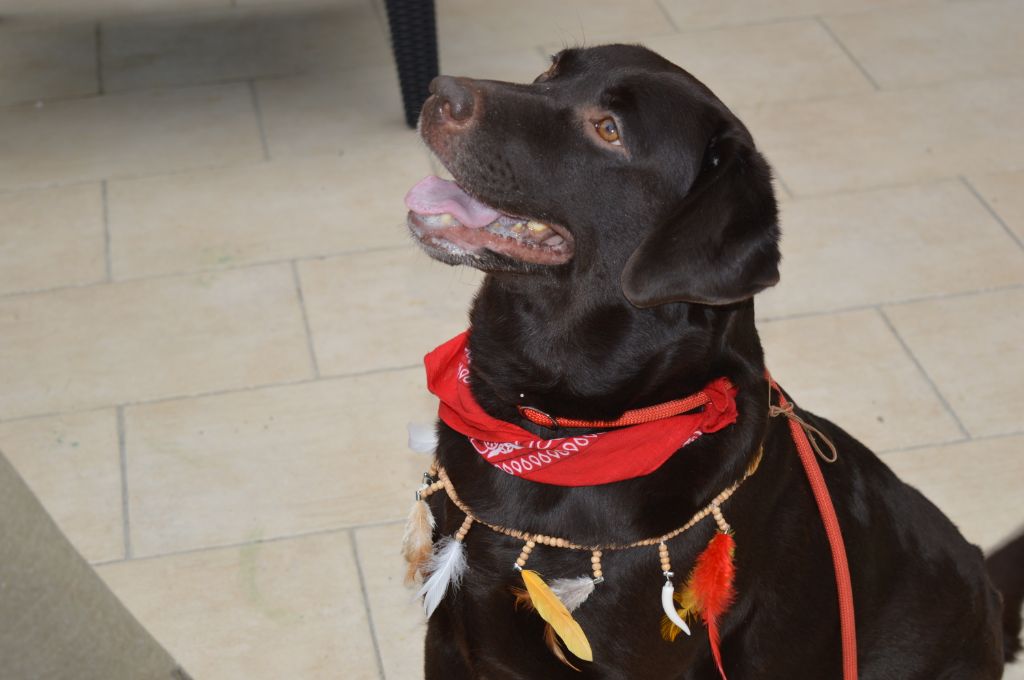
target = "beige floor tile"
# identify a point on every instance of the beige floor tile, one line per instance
(1005, 194)
(46, 62)
(850, 369)
(971, 347)
(383, 309)
(397, 616)
(205, 47)
(468, 28)
(273, 462)
(977, 484)
(333, 112)
(886, 245)
(769, 62)
(82, 348)
(116, 136)
(51, 238)
(927, 43)
(691, 14)
(264, 611)
(887, 138)
(72, 462)
(227, 217)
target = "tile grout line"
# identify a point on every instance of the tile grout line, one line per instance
(310, 344)
(668, 17)
(920, 368)
(991, 211)
(259, 541)
(383, 21)
(125, 505)
(222, 392)
(856, 62)
(175, 87)
(100, 85)
(215, 270)
(105, 206)
(951, 442)
(258, 111)
(782, 183)
(366, 603)
(890, 303)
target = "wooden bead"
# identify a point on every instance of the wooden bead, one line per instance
(521, 562)
(598, 573)
(531, 544)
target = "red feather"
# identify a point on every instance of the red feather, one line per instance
(712, 583)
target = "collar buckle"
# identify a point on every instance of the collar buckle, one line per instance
(538, 417)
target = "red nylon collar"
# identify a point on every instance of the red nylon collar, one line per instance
(637, 416)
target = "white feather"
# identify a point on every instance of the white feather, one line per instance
(446, 568)
(572, 591)
(669, 606)
(422, 438)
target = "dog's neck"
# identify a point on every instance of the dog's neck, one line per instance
(578, 358)
(593, 355)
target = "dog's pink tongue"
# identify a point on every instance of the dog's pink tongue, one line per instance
(435, 196)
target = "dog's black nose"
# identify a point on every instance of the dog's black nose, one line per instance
(454, 97)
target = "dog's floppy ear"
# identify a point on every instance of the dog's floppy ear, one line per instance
(721, 244)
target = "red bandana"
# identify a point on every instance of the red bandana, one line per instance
(586, 460)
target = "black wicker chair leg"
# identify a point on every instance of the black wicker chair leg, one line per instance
(414, 43)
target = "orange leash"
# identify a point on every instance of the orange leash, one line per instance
(847, 623)
(806, 449)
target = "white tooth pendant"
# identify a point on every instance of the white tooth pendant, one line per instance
(668, 590)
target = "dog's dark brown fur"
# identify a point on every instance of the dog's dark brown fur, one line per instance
(674, 231)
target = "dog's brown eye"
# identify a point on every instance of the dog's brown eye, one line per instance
(608, 130)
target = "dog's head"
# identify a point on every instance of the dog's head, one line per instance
(612, 163)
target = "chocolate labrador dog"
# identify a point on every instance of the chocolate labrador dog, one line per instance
(625, 221)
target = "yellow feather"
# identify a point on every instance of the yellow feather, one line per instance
(669, 630)
(554, 612)
(687, 601)
(687, 610)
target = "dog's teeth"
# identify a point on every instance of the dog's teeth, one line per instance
(555, 240)
(536, 227)
(519, 227)
(447, 219)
